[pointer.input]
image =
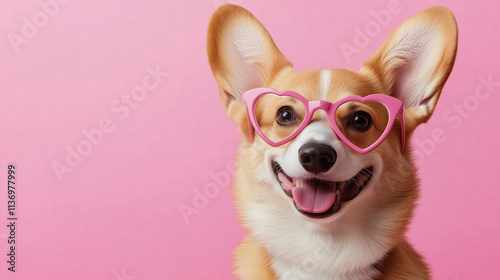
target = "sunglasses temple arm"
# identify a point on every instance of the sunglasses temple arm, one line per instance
(250, 128)
(401, 115)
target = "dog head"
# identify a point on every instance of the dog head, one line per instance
(316, 177)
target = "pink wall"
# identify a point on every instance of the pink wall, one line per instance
(114, 213)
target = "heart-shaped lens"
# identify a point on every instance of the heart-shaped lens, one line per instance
(278, 117)
(362, 123)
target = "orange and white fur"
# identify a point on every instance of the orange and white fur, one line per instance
(365, 238)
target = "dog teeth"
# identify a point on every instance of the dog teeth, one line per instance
(337, 192)
(299, 182)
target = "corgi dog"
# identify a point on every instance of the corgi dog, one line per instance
(325, 185)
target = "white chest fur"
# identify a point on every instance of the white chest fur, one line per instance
(302, 250)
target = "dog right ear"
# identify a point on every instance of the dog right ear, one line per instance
(242, 56)
(414, 63)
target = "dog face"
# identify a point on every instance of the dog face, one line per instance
(316, 179)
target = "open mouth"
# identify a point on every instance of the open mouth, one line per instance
(318, 198)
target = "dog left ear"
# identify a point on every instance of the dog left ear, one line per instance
(242, 56)
(415, 61)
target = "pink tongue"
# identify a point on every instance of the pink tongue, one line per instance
(314, 196)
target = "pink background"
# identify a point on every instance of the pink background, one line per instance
(116, 214)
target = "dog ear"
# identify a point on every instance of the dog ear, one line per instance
(415, 61)
(242, 55)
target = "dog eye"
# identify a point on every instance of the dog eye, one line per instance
(285, 115)
(360, 121)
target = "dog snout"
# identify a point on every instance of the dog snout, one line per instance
(316, 157)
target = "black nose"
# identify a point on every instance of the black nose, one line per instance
(316, 157)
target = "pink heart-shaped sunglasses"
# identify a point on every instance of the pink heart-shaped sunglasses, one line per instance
(361, 122)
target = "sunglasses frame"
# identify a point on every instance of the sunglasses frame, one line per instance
(394, 107)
